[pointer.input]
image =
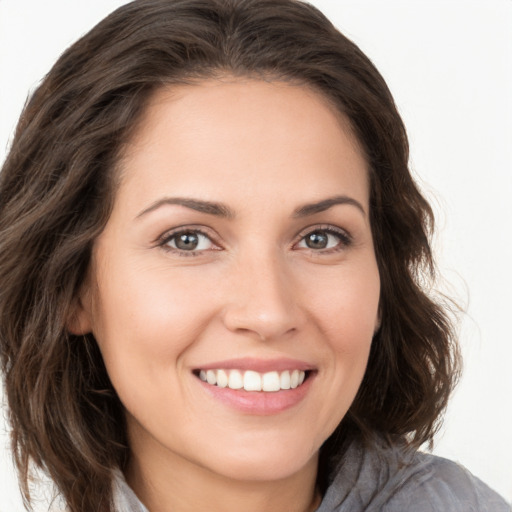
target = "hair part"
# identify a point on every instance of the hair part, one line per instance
(57, 188)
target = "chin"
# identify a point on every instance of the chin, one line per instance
(269, 460)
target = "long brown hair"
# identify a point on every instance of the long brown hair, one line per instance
(56, 192)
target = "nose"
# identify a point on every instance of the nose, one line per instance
(262, 299)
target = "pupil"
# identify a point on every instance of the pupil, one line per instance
(187, 241)
(317, 240)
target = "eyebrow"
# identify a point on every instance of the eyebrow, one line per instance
(325, 204)
(221, 210)
(207, 207)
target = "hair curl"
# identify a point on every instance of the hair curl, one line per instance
(56, 192)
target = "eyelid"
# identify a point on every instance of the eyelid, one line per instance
(345, 237)
(163, 239)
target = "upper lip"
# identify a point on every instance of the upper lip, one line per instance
(258, 365)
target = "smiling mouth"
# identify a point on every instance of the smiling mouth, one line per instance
(269, 382)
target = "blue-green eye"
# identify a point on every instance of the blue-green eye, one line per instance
(188, 240)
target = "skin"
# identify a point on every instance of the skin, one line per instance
(253, 289)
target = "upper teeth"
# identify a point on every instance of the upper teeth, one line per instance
(253, 381)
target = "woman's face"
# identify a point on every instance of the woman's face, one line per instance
(239, 251)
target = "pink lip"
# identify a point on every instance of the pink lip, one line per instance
(258, 402)
(258, 365)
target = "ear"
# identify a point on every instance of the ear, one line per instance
(378, 321)
(79, 320)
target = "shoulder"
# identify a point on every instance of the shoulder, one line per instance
(435, 484)
(390, 478)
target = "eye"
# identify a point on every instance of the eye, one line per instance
(324, 239)
(188, 240)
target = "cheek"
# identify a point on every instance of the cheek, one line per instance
(145, 322)
(146, 315)
(346, 307)
(345, 311)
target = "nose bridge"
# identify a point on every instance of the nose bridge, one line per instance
(261, 295)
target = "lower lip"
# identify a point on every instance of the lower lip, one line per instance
(259, 402)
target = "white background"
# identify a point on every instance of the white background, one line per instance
(449, 66)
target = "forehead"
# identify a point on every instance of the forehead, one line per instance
(245, 133)
(229, 96)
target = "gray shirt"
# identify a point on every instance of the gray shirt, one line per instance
(384, 478)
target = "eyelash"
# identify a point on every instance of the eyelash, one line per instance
(345, 240)
(166, 238)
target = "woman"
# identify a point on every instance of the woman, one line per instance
(213, 271)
